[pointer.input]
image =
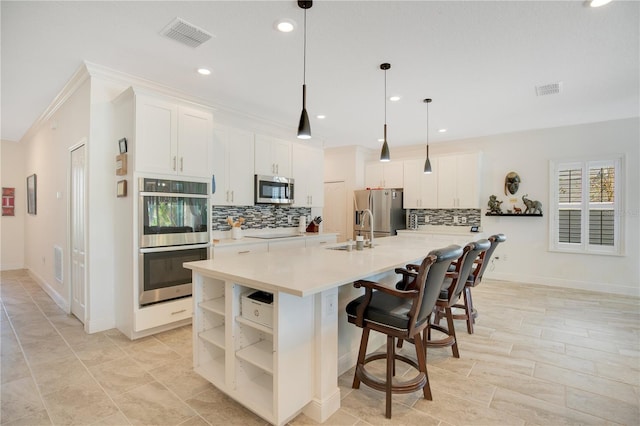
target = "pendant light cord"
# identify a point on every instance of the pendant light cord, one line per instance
(428, 126)
(385, 99)
(304, 50)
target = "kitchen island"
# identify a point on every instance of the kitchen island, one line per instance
(281, 358)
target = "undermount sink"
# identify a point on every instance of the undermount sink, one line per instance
(343, 247)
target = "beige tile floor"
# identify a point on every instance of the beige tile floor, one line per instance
(539, 355)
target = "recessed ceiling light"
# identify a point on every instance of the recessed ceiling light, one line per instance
(321, 117)
(284, 25)
(394, 98)
(204, 71)
(442, 130)
(598, 3)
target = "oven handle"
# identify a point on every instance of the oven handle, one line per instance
(174, 248)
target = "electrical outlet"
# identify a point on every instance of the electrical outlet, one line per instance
(289, 217)
(455, 219)
(463, 219)
(504, 257)
(426, 219)
(330, 305)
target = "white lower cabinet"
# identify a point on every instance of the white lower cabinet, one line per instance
(321, 240)
(257, 365)
(159, 314)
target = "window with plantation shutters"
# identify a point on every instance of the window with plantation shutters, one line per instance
(584, 204)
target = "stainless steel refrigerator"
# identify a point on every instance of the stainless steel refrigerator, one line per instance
(386, 206)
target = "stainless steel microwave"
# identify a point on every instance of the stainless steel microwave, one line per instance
(273, 190)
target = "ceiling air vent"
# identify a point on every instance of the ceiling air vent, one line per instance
(185, 33)
(549, 89)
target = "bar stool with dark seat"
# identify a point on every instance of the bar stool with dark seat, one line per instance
(474, 279)
(401, 314)
(450, 294)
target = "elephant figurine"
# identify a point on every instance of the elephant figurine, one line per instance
(532, 207)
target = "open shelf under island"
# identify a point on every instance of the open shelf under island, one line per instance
(292, 365)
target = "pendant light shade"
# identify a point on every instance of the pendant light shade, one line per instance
(384, 154)
(427, 162)
(304, 128)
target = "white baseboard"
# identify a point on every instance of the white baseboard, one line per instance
(321, 410)
(573, 284)
(100, 324)
(57, 298)
(10, 267)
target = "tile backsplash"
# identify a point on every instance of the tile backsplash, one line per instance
(258, 217)
(446, 216)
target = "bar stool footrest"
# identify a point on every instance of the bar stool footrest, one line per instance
(440, 343)
(406, 386)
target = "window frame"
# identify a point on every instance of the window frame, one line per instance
(586, 164)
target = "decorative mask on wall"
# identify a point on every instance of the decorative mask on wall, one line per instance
(511, 183)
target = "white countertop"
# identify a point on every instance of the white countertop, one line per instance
(252, 238)
(302, 272)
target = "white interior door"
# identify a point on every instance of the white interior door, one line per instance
(335, 209)
(77, 229)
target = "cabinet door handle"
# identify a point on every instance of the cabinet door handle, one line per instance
(178, 312)
(232, 200)
(227, 197)
(277, 168)
(174, 163)
(181, 163)
(244, 251)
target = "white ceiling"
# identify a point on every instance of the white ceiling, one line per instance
(479, 61)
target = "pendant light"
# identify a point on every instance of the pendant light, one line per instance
(427, 163)
(384, 154)
(304, 128)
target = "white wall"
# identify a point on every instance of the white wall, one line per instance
(12, 227)
(528, 153)
(102, 150)
(47, 155)
(82, 112)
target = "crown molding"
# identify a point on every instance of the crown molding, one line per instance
(75, 82)
(90, 70)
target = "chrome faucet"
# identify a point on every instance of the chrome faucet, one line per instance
(370, 223)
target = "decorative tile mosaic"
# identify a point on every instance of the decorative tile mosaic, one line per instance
(257, 217)
(445, 216)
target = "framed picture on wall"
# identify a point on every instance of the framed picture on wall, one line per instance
(32, 194)
(122, 145)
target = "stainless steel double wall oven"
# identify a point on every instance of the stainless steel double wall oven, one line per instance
(173, 225)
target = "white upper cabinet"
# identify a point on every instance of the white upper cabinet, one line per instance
(195, 135)
(156, 135)
(232, 167)
(172, 139)
(420, 190)
(384, 175)
(308, 173)
(272, 156)
(458, 181)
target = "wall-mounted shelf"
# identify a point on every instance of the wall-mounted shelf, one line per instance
(514, 214)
